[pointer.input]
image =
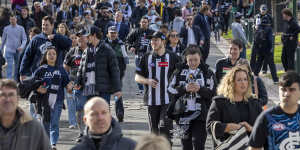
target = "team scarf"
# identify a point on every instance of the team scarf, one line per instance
(90, 84)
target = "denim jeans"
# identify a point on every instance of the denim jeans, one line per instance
(71, 108)
(52, 127)
(80, 100)
(12, 60)
(137, 63)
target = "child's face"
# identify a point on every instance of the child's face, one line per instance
(51, 56)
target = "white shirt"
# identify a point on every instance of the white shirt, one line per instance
(191, 37)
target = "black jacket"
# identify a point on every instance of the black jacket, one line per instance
(201, 21)
(223, 65)
(134, 39)
(107, 73)
(112, 141)
(206, 92)
(26, 23)
(197, 33)
(291, 30)
(224, 111)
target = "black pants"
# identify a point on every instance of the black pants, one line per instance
(226, 22)
(253, 58)
(196, 136)
(266, 57)
(288, 55)
(205, 50)
(159, 122)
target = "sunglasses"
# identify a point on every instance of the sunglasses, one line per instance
(173, 35)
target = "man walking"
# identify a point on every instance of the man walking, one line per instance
(154, 71)
(289, 39)
(278, 128)
(102, 132)
(17, 128)
(13, 42)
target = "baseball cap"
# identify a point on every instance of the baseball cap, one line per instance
(82, 32)
(157, 34)
(112, 29)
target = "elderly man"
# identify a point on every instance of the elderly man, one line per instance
(17, 129)
(103, 132)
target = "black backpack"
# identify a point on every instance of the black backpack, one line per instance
(261, 38)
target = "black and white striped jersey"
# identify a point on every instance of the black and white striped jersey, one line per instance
(160, 68)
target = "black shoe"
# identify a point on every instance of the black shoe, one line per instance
(264, 72)
(120, 119)
(78, 138)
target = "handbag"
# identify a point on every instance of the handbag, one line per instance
(238, 140)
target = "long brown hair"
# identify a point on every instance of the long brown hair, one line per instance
(44, 57)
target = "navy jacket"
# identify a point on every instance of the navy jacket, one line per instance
(36, 48)
(197, 32)
(203, 24)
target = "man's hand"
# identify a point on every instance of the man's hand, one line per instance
(42, 90)
(291, 38)
(77, 87)
(132, 50)
(51, 36)
(19, 49)
(153, 83)
(201, 42)
(118, 94)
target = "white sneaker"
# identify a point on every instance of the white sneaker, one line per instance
(72, 127)
(53, 147)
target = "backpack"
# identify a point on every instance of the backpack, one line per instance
(260, 38)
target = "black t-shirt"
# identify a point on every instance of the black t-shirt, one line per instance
(276, 130)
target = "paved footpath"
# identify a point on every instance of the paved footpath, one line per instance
(136, 118)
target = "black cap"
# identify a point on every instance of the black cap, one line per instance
(157, 35)
(82, 32)
(112, 29)
(94, 30)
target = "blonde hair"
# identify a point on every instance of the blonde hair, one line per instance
(153, 142)
(226, 87)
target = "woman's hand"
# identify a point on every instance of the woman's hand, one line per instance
(232, 127)
(246, 125)
(42, 90)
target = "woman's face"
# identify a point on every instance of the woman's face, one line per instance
(193, 61)
(51, 56)
(174, 37)
(62, 29)
(241, 82)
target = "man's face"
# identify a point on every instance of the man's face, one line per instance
(47, 27)
(8, 101)
(118, 16)
(156, 44)
(235, 51)
(13, 20)
(82, 41)
(112, 35)
(76, 20)
(289, 95)
(98, 118)
(37, 8)
(284, 17)
(144, 23)
(24, 13)
(189, 20)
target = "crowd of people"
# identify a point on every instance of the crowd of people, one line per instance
(78, 50)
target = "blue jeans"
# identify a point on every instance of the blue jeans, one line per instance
(12, 60)
(52, 127)
(71, 108)
(137, 63)
(80, 100)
